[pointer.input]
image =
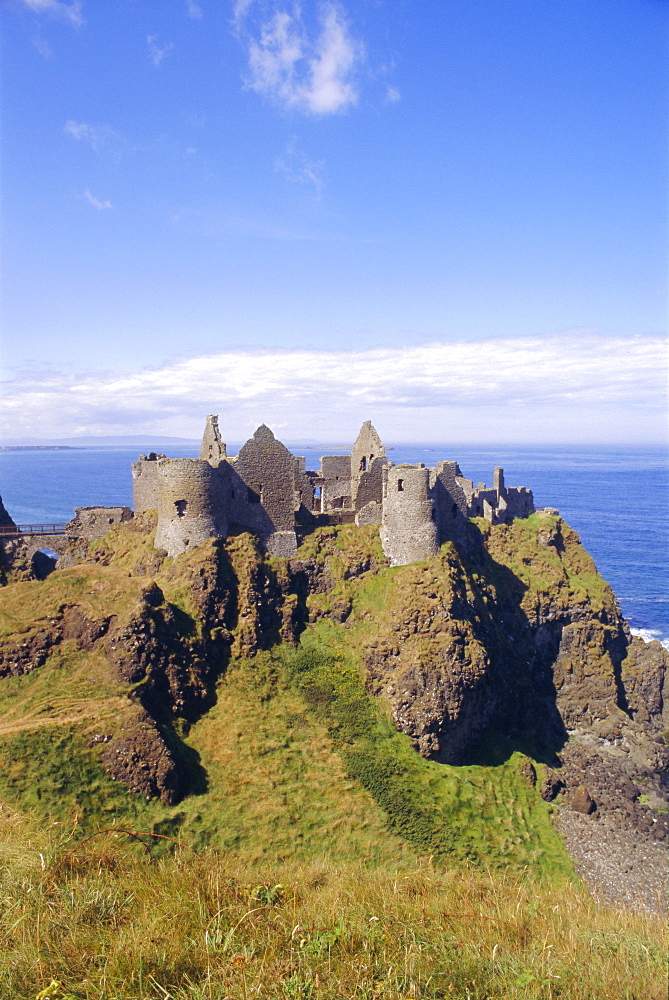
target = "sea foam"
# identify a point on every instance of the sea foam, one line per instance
(648, 634)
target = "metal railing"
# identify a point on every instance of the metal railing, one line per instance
(32, 529)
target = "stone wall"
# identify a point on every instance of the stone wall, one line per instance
(145, 482)
(212, 448)
(371, 513)
(268, 470)
(408, 530)
(192, 505)
(519, 501)
(369, 487)
(91, 523)
(335, 483)
(303, 484)
(450, 502)
(482, 494)
(368, 457)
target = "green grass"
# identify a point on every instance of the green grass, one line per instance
(324, 859)
(485, 815)
(299, 759)
(546, 568)
(51, 774)
(93, 922)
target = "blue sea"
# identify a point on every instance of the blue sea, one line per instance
(617, 500)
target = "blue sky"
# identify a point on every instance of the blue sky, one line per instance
(448, 216)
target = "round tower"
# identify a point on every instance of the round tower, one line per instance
(408, 530)
(191, 504)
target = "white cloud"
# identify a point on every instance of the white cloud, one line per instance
(309, 71)
(578, 388)
(299, 169)
(42, 47)
(240, 10)
(100, 137)
(393, 95)
(193, 9)
(95, 202)
(65, 11)
(156, 53)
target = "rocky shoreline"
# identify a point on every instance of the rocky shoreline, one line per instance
(621, 868)
(613, 816)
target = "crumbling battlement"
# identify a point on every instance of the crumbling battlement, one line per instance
(269, 491)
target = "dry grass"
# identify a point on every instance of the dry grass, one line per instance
(101, 922)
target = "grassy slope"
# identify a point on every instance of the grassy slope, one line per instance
(286, 778)
(310, 786)
(94, 922)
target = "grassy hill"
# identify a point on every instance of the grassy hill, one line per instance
(311, 852)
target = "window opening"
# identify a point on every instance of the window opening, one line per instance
(363, 464)
(400, 485)
(181, 506)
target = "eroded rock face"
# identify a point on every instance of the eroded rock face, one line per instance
(645, 679)
(586, 671)
(139, 758)
(21, 653)
(442, 696)
(511, 631)
(147, 648)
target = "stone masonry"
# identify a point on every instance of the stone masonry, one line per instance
(267, 490)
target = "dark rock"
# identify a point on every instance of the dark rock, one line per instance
(528, 772)
(551, 786)
(139, 758)
(6, 520)
(581, 801)
(645, 676)
(152, 595)
(147, 646)
(26, 652)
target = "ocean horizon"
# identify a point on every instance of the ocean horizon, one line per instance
(615, 498)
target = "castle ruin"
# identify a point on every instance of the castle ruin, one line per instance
(267, 490)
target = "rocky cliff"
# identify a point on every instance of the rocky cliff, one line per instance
(508, 639)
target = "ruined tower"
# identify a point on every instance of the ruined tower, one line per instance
(145, 482)
(212, 449)
(408, 530)
(368, 458)
(192, 505)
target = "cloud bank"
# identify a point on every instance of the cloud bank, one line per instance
(297, 68)
(580, 388)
